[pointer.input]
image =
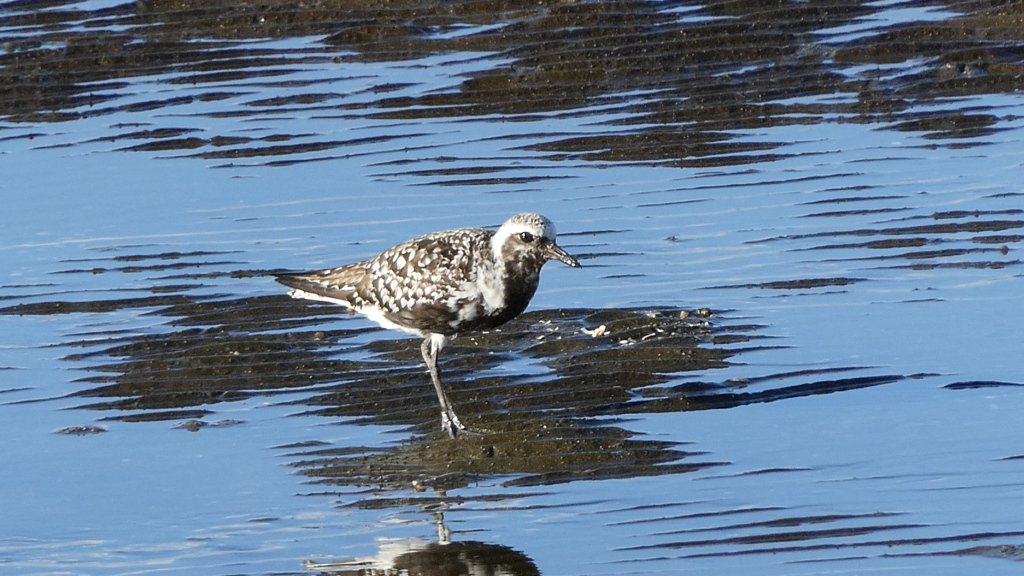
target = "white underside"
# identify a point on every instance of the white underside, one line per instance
(303, 295)
(374, 314)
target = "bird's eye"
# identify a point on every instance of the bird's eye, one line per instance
(526, 237)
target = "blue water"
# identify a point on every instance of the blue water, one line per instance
(904, 474)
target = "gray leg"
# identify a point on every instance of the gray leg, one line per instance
(449, 421)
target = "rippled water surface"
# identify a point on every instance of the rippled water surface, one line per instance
(794, 346)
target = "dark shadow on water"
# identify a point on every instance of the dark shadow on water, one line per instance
(683, 76)
(551, 395)
(547, 392)
(956, 239)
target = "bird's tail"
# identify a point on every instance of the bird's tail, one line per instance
(336, 285)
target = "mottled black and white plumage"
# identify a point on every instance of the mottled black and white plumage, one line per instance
(442, 285)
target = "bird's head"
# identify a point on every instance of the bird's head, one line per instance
(529, 241)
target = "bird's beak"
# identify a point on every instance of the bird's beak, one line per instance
(553, 251)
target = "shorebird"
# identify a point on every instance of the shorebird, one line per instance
(441, 285)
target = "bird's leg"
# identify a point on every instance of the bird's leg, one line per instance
(449, 421)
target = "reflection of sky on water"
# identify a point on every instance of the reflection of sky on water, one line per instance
(890, 13)
(143, 493)
(160, 499)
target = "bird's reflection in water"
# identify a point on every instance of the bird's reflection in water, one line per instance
(416, 557)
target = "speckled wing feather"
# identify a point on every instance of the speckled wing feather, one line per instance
(421, 284)
(426, 283)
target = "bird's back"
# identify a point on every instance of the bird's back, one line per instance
(426, 285)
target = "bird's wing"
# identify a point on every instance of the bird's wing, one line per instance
(421, 284)
(425, 270)
(426, 283)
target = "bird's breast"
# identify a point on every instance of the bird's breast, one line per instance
(491, 287)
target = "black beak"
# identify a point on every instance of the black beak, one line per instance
(553, 251)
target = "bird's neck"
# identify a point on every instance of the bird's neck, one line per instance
(514, 275)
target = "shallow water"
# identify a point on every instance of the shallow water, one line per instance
(829, 191)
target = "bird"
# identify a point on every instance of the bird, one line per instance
(442, 285)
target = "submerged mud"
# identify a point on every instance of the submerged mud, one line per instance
(685, 77)
(553, 419)
(444, 101)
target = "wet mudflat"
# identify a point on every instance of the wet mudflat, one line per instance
(794, 347)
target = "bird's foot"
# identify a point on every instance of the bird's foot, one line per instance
(451, 425)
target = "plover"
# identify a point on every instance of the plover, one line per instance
(441, 285)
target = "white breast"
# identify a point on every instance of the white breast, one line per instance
(491, 284)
